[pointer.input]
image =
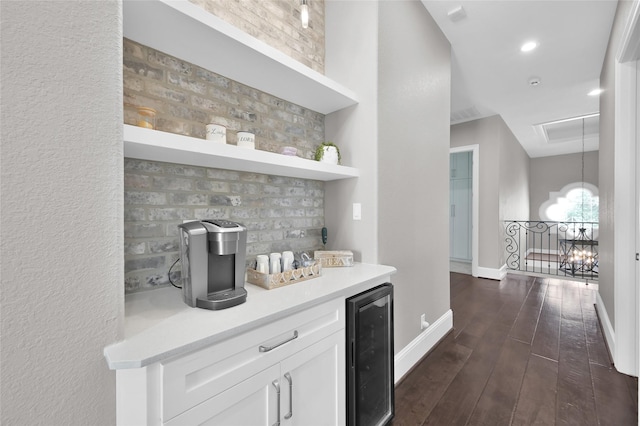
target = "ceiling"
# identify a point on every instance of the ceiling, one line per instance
(490, 75)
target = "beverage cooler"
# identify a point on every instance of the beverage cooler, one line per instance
(370, 381)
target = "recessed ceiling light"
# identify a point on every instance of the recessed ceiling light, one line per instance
(595, 92)
(528, 46)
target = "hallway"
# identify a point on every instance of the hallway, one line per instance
(523, 351)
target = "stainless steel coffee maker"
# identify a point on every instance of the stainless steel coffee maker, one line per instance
(213, 256)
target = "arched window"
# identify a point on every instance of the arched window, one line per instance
(576, 202)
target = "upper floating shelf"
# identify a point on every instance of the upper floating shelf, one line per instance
(154, 145)
(182, 29)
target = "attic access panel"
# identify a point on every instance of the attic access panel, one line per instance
(570, 129)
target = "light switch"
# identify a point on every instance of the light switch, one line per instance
(357, 211)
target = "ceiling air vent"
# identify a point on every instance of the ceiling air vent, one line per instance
(464, 115)
(570, 129)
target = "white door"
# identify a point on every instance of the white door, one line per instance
(637, 277)
(625, 338)
(253, 401)
(637, 283)
(460, 193)
(313, 384)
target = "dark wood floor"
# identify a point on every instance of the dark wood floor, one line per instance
(524, 351)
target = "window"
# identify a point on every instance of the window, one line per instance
(572, 204)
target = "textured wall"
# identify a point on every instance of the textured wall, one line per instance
(609, 156)
(352, 60)
(414, 82)
(504, 182)
(551, 174)
(485, 133)
(398, 137)
(61, 196)
(277, 23)
(514, 183)
(280, 213)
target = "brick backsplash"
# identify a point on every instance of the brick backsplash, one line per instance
(277, 23)
(280, 213)
(187, 97)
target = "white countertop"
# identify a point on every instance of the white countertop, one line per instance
(159, 325)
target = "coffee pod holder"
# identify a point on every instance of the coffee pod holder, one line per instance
(281, 279)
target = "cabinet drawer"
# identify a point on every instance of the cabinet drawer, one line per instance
(251, 402)
(191, 379)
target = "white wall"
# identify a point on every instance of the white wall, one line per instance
(484, 133)
(398, 137)
(503, 182)
(514, 183)
(413, 163)
(61, 223)
(607, 166)
(551, 174)
(617, 302)
(352, 59)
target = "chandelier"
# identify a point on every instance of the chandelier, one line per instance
(581, 255)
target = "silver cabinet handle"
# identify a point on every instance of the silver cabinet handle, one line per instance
(270, 348)
(290, 380)
(277, 386)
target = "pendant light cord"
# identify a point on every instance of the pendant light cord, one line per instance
(582, 183)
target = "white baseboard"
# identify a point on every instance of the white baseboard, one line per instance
(492, 273)
(609, 333)
(421, 345)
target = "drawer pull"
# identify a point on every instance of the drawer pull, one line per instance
(277, 386)
(290, 380)
(270, 348)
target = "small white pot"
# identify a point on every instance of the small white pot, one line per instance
(329, 155)
(246, 140)
(216, 133)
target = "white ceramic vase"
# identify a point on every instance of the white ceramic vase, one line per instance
(330, 155)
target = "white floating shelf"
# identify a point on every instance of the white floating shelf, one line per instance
(184, 30)
(146, 144)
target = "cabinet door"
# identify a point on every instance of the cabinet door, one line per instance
(313, 384)
(251, 402)
(192, 379)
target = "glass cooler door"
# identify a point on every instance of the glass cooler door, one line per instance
(370, 396)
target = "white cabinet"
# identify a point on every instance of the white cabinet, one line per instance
(304, 389)
(251, 402)
(313, 384)
(292, 368)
